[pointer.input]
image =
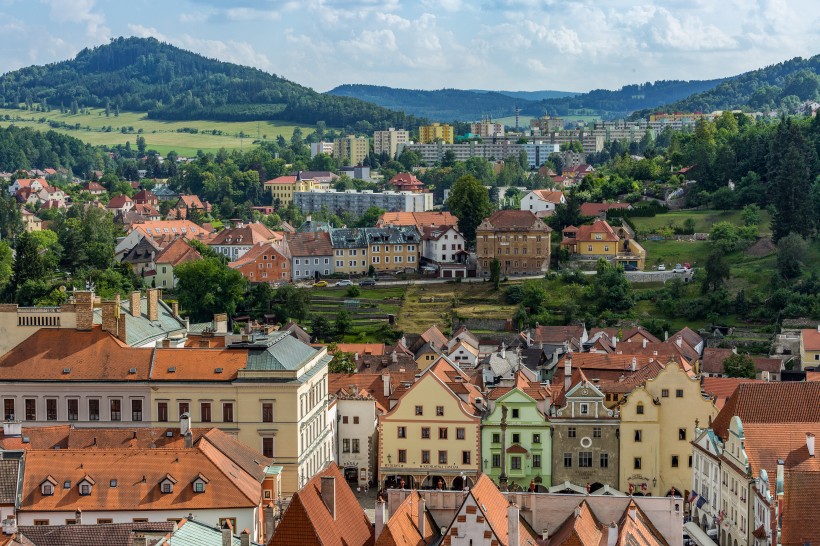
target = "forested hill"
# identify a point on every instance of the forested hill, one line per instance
(781, 86)
(143, 74)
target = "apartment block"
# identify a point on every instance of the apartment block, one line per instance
(435, 132)
(357, 202)
(387, 142)
(351, 150)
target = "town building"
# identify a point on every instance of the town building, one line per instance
(538, 152)
(662, 413)
(186, 205)
(141, 257)
(487, 129)
(542, 202)
(444, 249)
(145, 197)
(436, 132)
(311, 254)
(515, 436)
(407, 182)
(321, 147)
(431, 437)
(163, 232)
(360, 172)
(387, 142)
(547, 124)
(599, 210)
(119, 204)
(265, 263)
(351, 150)
(393, 248)
(358, 201)
(176, 253)
(810, 347)
(235, 241)
(282, 188)
(591, 242)
(349, 251)
(518, 239)
(418, 219)
(31, 222)
(410, 523)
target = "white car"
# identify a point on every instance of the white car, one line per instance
(661, 267)
(346, 282)
(679, 269)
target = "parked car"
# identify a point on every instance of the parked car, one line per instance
(661, 267)
(367, 282)
(320, 284)
(679, 269)
(345, 282)
(630, 267)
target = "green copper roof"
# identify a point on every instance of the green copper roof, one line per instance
(194, 533)
(283, 353)
(140, 331)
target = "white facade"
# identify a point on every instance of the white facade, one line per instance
(356, 437)
(444, 248)
(463, 356)
(389, 141)
(357, 202)
(322, 147)
(706, 479)
(232, 252)
(535, 203)
(736, 492)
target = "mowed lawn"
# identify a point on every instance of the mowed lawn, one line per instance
(704, 220)
(162, 136)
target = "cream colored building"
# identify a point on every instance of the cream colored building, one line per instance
(351, 150)
(658, 421)
(388, 141)
(436, 132)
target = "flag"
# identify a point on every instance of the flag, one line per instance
(693, 496)
(700, 503)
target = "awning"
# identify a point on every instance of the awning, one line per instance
(697, 534)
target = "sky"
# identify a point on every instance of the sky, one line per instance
(568, 45)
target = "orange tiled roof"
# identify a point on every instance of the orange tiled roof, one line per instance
(198, 364)
(514, 219)
(173, 228)
(581, 529)
(281, 180)
(494, 505)
(418, 219)
(723, 387)
(177, 252)
(248, 234)
(550, 196)
(799, 500)
(585, 233)
(402, 528)
(594, 209)
(712, 360)
(307, 521)
(811, 339)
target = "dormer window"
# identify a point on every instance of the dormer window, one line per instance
(85, 485)
(199, 483)
(167, 484)
(47, 487)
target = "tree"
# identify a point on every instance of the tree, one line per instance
(6, 265)
(320, 328)
(342, 362)
(29, 261)
(469, 201)
(738, 365)
(343, 324)
(792, 161)
(206, 287)
(611, 289)
(717, 271)
(569, 213)
(369, 217)
(750, 215)
(791, 251)
(495, 273)
(11, 218)
(291, 303)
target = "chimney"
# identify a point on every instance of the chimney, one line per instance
(634, 364)
(78, 516)
(394, 357)
(614, 342)
(111, 315)
(810, 443)
(136, 308)
(10, 525)
(765, 376)
(245, 538)
(84, 309)
(267, 514)
(513, 532)
(644, 342)
(12, 429)
(329, 494)
(153, 304)
(139, 539)
(612, 537)
(184, 423)
(529, 339)
(221, 323)
(188, 438)
(175, 308)
(503, 350)
(679, 340)
(386, 383)
(380, 516)
(422, 522)
(121, 328)
(567, 371)
(227, 534)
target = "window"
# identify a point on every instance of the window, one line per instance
(496, 460)
(664, 393)
(116, 410)
(536, 461)
(267, 412)
(682, 434)
(442, 433)
(346, 445)
(344, 420)
(184, 407)
(690, 461)
(496, 438)
(571, 432)
(425, 456)
(515, 463)
(419, 410)
(442, 457)
(515, 413)
(267, 447)
(41, 522)
(439, 411)
(355, 445)
(31, 409)
(51, 409)
(516, 438)
(640, 409)
(460, 434)
(355, 419)
(584, 409)
(679, 393)
(596, 432)
(638, 435)
(136, 410)
(402, 455)
(205, 412)
(425, 433)
(85, 489)
(162, 412)
(636, 464)
(402, 432)
(674, 461)
(167, 487)
(73, 406)
(227, 412)
(222, 522)
(536, 438)
(567, 460)
(8, 409)
(465, 457)
(585, 459)
(604, 460)
(47, 489)
(139, 520)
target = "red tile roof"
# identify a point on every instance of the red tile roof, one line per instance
(177, 252)
(799, 501)
(712, 360)
(308, 522)
(315, 243)
(503, 220)
(721, 388)
(811, 339)
(776, 402)
(248, 234)
(494, 505)
(550, 196)
(418, 219)
(767, 443)
(281, 180)
(587, 233)
(197, 364)
(402, 528)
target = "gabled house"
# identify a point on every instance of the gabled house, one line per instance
(542, 202)
(410, 524)
(93, 188)
(175, 253)
(141, 257)
(265, 262)
(185, 205)
(33, 184)
(349, 251)
(31, 222)
(444, 249)
(119, 204)
(516, 238)
(145, 197)
(599, 240)
(407, 182)
(311, 255)
(234, 242)
(810, 347)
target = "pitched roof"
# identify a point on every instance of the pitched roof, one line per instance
(281, 180)
(191, 532)
(775, 402)
(810, 338)
(513, 220)
(557, 334)
(721, 388)
(119, 201)
(712, 359)
(9, 474)
(261, 249)
(580, 528)
(159, 229)
(494, 505)
(689, 336)
(191, 364)
(247, 234)
(101, 534)
(765, 444)
(550, 196)
(314, 243)
(177, 252)
(402, 529)
(588, 233)
(418, 219)
(799, 500)
(308, 522)
(434, 334)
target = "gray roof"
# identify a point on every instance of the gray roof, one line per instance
(195, 533)
(348, 238)
(393, 235)
(139, 330)
(9, 478)
(92, 535)
(283, 353)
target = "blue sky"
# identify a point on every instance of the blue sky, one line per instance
(573, 45)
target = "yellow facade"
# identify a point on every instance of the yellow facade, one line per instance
(436, 132)
(283, 188)
(351, 150)
(351, 261)
(390, 257)
(430, 405)
(657, 425)
(426, 357)
(810, 347)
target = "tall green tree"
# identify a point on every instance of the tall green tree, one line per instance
(740, 365)
(469, 201)
(207, 286)
(792, 162)
(717, 272)
(791, 252)
(11, 218)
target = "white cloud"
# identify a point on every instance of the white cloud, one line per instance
(141, 31)
(80, 11)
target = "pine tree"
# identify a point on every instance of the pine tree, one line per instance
(791, 164)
